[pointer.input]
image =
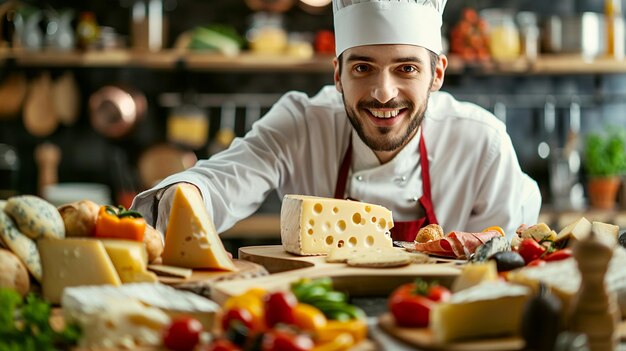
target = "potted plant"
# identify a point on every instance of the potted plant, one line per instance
(605, 163)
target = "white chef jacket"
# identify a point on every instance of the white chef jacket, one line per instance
(298, 146)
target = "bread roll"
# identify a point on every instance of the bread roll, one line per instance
(79, 218)
(154, 243)
(13, 273)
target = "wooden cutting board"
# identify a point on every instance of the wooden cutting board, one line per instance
(424, 340)
(201, 281)
(287, 268)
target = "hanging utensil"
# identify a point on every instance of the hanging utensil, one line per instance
(12, 94)
(115, 110)
(549, 123)
(66, 98)
(40, 117)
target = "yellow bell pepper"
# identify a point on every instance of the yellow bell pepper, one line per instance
(341, 342)
(356, 327)
(309, 318)
(252, 301)
(495, 228)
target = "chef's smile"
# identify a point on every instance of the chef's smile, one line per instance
(386, 117)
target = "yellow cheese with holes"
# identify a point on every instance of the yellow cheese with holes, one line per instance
(74, 262)
(312, 225)
(489, 309)
(190, 238)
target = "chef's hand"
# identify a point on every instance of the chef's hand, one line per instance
(166, 197)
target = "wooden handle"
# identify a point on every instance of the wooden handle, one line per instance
(47, 156)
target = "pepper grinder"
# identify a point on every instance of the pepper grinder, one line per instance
(595, 311)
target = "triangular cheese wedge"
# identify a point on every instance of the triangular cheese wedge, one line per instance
(190, 239)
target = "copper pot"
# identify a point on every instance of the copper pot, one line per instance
(115, 110)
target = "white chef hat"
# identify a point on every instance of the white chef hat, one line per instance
(370, 22)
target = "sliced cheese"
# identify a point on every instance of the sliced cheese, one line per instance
(22, 246)
(474, 274)
(606, 231)
(312, 225)
(578, 229)
(83, 300)
(170, 271)
(130, 260)
(74, 262)
(190, 239)
(485, 310)
(539, 232)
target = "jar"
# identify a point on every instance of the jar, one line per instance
(529, 31)
(504, 36)
(267, 34)
(87, 30)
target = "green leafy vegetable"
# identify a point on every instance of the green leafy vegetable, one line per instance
(25, 325)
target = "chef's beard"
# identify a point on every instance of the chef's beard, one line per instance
(382, 143)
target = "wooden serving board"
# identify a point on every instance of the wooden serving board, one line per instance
(201, 281)
(423, 339)
(287, 268)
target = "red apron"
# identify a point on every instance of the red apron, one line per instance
(402, 231)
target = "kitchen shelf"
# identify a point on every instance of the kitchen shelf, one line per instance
(248, 62)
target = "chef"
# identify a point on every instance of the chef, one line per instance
(383, 134)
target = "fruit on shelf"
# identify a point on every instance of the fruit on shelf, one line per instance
(469, 38)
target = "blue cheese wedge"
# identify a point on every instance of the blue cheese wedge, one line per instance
(492, 308)
(35, 217)
(22, 246)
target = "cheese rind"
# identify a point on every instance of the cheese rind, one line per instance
(35, 217)
(492, 308)
(312, 225)
(21, 245)
(74, 262)
(190, 239)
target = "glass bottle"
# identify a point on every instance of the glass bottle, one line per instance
(87, 30)
(504, 36)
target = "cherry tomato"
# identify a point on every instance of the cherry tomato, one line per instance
(279, 308)
(237, 314)
(283, 340)
(183, 333)
(220, 345)
(558, 255)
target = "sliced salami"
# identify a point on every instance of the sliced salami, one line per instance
(455, 244)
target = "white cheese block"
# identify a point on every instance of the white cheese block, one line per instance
(190, 238)
(35, 217)
(605, 231)
(74, 262)
(122, 324)
(492, 308)
(21, 245)
(89, 299)
(578, 229)
(312, 225)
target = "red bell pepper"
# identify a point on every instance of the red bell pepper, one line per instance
(530, 250)
(410, 304)
(558, 255)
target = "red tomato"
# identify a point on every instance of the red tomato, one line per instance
(410, 308)
(237, 314)
(182, 334)
(282, 340)
(279, 307)
(559, 255)
(220, 345)
(530, 250)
